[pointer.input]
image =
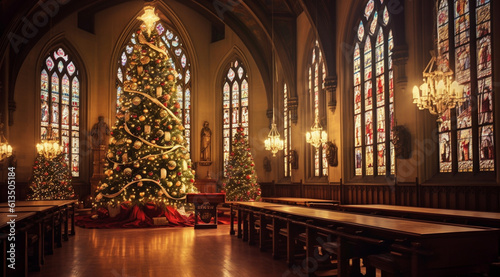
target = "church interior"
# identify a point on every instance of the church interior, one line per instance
(287, 85)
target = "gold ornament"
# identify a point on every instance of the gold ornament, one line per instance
(129, 141)
(140, 70)
(167, 136)
(138, 177)
(141, 194)
(163, 113)
(140, 184)
(164, 156)
(178, 183)
(169, 184)
(145, 59)
(152, 158)
(132, 196)
(136, 100)
(171, 165)
(163, 173)
(136, 164)
(137, 144)
(180, 138)
(145, 110)
(174, 193)
(159, 91)
(110, 155)
(127, 171)
(147, 129)
(180, 127)
(142, 118)
(108, 172)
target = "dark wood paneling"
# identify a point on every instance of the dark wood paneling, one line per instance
(461, 197)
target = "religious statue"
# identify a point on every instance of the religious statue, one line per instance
(331, 154)
(402, 142)
(206, 137)
(99, 133)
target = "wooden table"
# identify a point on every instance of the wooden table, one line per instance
(452, 248)
(21, 249)
(299, 201)
(475, 218)
(67, 207)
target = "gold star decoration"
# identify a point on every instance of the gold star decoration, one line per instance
(149, 18)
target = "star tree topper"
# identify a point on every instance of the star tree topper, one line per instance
(149, 18)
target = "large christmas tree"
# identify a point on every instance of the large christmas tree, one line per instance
(241, 183)
(147, 158)
(51, 179)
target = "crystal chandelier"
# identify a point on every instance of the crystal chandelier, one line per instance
(49, 148)
(438, 92)
(273, 142)
(316, 136)
(5, 148)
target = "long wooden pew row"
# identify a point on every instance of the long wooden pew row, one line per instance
(299, 201)
(66, 210)
(475, 218)
(432, 249)
(27, 233)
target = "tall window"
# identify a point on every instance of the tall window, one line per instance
(287, 134)
(316, 83)
(60, 105)
(466, 137)
(177, 52)
(373, 112)
(234, 105)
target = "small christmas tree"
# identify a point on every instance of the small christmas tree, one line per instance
(241, 183)
(51, 179)
(147, 159)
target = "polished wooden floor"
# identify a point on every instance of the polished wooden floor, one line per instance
(159, 252)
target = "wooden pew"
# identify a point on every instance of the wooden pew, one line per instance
(443, 242)
(26, 226)
(66, 210)
(309, 202)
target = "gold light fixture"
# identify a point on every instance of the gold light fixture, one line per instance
(273, 142)
(49, 148)
(316, 137)
(5, 148)
(438, 92)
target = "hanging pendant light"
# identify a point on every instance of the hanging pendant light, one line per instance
(273, 142)
(49, 148)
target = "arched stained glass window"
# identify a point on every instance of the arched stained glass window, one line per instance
(234, 105)
(316, 85)
(373, 93)
(60, 105)
(464, 35)
(287, 134)
(177, 52)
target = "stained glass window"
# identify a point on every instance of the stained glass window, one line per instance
(234, 105)
(316, 77)
(287, 134)
(182, 64)
(60, 105)
(466, 137)
(373, 93)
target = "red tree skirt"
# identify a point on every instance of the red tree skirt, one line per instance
(134, 217)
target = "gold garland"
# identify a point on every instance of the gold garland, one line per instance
(137, 181)
(154, 100)
(148, 156)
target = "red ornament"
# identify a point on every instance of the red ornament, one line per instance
(117, 168)
(232, 153)
(179, 173)
(248, 177)
(252, 164)
(138, 128)
(46, 174)
(192, 180)
(150, 173)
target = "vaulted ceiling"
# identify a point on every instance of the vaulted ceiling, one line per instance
(252, 20)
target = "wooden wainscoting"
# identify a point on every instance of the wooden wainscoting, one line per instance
(460, 197)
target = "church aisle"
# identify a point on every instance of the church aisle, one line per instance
(159, 252)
